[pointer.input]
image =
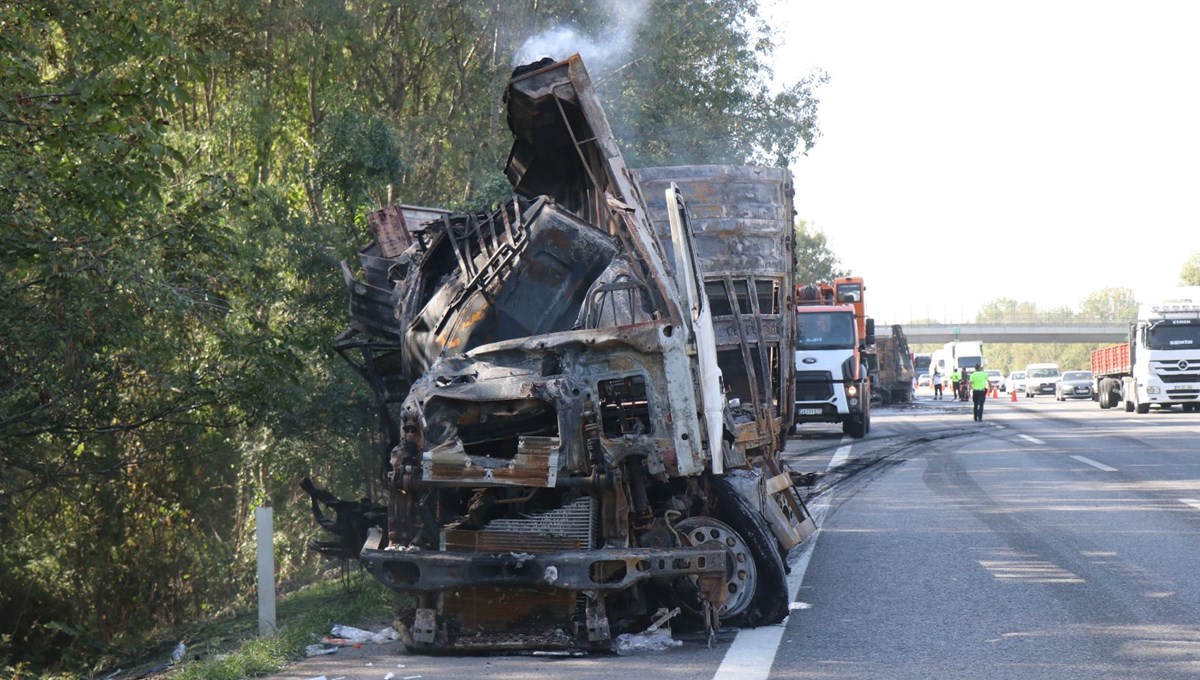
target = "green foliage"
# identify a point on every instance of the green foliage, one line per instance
(1109, 305)
(1189, 275)
(356, 153)
(815, 262)
(701, 95)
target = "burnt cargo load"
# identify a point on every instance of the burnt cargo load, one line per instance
(896, 372)
(742, 224)
(560, 461)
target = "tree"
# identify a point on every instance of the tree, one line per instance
(696, 92)
(1190, 274)
(814, 260)
(1110, 305)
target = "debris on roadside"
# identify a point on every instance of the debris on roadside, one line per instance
(656, 638)
(349, 635)
(636, 643)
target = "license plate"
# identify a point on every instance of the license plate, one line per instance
(810, 411)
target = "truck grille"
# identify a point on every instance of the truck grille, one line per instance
(814, 385)
(1169, 371)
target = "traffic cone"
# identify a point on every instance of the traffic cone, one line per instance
(1014, 396)
(995, 393)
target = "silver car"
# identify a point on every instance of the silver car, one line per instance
(1076, 384)
(996, 380)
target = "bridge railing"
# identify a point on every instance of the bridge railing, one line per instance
(1015, 320)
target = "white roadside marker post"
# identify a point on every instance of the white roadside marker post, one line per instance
(263, 519)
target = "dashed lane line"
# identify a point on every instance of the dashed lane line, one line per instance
(1190, 501)
(840, 455)
(1035, 440)
(1098, 466)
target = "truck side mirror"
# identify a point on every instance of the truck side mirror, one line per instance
(870, 339)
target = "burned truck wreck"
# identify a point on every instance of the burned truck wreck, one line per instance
(561, 457)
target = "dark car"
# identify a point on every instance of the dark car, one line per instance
(1077, 384)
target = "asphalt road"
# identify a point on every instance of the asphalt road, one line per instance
(1052, 540)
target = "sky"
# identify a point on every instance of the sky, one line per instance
(1038, 151)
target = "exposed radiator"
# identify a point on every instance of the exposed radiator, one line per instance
(575, 520)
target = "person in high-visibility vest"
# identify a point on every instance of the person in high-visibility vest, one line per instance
(955, 379)
(979, 390)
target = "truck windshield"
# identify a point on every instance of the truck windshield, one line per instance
(824, 330)
(849, 293)
(969, 362)
(1174, 334)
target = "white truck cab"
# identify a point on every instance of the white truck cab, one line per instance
(832, 385)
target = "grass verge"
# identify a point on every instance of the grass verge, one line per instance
(236, 651)
(231, 649)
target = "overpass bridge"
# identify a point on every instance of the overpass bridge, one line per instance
(1032, 331)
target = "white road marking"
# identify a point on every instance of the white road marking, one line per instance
(1190, 501)
(840, 455)
(1035, 440)
(752, 652)
(1099, 466)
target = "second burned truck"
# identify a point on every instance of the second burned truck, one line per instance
(560, 460)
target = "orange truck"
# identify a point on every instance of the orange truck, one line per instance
(833, 339)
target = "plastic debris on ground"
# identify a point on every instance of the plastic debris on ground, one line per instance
(656, 641)
(318, 650)
(345, 635)
(180, 650)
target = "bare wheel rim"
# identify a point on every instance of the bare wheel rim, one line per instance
(741, 572)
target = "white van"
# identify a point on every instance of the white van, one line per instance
(1041, 379)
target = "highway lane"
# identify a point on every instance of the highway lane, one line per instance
(1051, 540)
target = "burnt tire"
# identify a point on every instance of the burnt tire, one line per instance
(769, 602)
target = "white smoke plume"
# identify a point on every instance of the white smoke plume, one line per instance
(608, 49)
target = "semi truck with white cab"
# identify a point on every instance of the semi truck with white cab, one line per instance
(964, 355)
(1159, 364)
(833, 384)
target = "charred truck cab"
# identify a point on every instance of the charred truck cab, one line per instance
(560, 459)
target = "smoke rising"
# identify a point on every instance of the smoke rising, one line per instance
(608, 49)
